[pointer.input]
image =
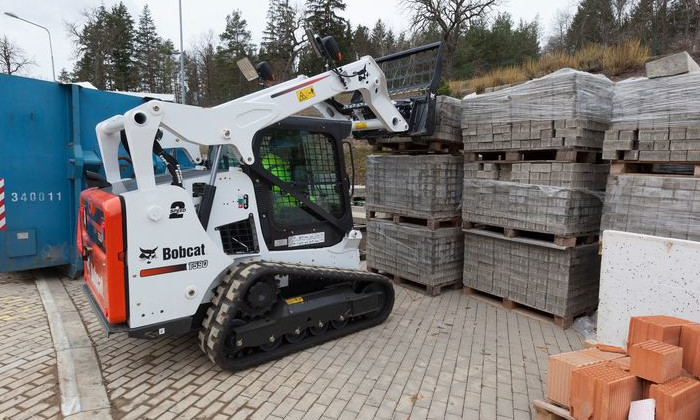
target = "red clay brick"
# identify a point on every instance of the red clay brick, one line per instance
(604, 355)
(662, 328)
(622, 363)
(690, 342)
(603, 392)
(656, 361)
(559, 373)
(678, 398)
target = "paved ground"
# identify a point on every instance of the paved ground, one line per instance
(28, 383)
(451, 356)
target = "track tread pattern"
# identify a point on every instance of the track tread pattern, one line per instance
(226, 302)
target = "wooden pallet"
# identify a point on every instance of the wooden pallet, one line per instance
(567, 241)
(417, 147)
(428, 290)
(543, 410)
(563, 322)
(431, 223)
(653, 168)
(572, 154)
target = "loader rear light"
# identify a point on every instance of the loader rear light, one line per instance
(101, 242)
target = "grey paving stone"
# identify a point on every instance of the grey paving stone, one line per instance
(424, 186)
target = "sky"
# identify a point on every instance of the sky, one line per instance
(199, 17)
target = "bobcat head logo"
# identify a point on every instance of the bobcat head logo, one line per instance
(147, 254)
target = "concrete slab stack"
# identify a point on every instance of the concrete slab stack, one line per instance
(538, 197)
(422, 186)
(558, 280)
(413, 210)
(567, 108)
(654, 145)
(431, 258)
(533, 191)
(655, 120)
(447, 135)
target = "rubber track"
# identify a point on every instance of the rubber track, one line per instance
(225, 305)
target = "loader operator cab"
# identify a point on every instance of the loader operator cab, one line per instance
(304, 185)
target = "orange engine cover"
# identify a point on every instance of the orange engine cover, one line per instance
(101, 243)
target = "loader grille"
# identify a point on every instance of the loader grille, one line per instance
(239, 237)
(416, 71)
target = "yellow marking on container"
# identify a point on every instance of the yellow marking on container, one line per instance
(292, 301)
(305, 94)
(360, 125)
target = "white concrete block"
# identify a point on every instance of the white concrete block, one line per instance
(642, 410)
(672, 65)
(646, 275)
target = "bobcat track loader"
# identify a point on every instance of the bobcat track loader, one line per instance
(257, 252)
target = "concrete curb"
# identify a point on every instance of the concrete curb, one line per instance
(83, 394)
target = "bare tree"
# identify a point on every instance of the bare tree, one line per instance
(12, 57)
(620, 9)
(562, 22)
(453, 17)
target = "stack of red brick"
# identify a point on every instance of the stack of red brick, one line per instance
(662, 362)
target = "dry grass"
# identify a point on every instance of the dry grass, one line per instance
(501, 76)
(595, 58)
(625, 57)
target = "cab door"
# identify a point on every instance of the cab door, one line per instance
(301, 185)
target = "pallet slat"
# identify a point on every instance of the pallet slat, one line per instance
(566, 241)
(575, 155)
(429, 290)
(544, 410)
(416, 146)
(655, 168)
(563, 322)
(432, 223)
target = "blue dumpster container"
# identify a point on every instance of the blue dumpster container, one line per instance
(47, 141)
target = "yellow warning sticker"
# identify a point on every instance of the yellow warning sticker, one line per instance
(306, 93)
(360, 125)
(292, 301)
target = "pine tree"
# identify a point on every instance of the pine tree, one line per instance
(64, 76)
(323, 18)
(120, 26)
(361, 42)
(594, 22)
(236, 44)
(92, 44)
(147, 53)
(168, 70)
(382, 40)
(236, 38)
(280, 44)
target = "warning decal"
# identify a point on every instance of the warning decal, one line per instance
(305, 94)
(306, 239)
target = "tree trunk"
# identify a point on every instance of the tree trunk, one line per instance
(448, 58)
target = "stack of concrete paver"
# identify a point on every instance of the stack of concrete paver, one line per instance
(654, 144)
(533, 191)
(655, 120)
(557, 280)
(447, 132)
(567, 108)
(430, 257)
(422, 186)
(659, 205)
(448, 115)
(555, 198)
(413, 218)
